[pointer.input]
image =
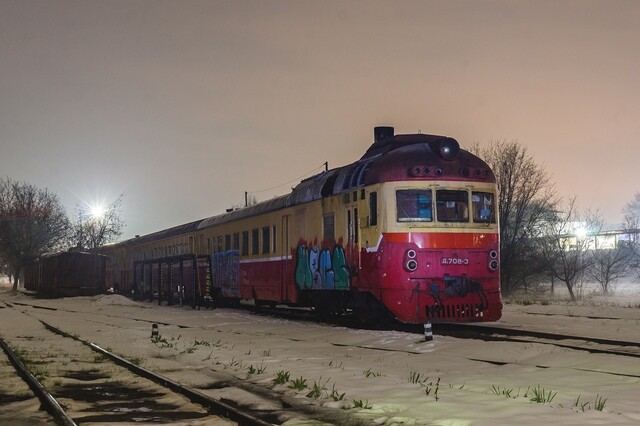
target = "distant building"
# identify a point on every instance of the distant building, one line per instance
(604, 240)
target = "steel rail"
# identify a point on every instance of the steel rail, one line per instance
(46, 399)
(492, 333)
(217, 407)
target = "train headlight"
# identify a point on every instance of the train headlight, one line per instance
(493, 260)
(449, 149)
(411, 265)
(493, 265)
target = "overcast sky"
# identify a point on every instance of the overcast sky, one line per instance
(183, 105)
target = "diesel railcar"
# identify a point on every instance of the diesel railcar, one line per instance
(409, 229)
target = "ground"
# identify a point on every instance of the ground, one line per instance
(372, 377)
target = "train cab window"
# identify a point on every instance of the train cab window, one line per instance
(452, 206)
(482, 206)
(266, 240)
(373, 209)
(328, 227)
(255, 241)
(236, 241)
(245, 243)
(413, 205)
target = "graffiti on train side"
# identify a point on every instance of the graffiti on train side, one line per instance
(321, 268)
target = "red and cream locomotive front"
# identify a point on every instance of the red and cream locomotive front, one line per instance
(437, 254)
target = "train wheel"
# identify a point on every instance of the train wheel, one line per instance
(327, 304)
(368, 310)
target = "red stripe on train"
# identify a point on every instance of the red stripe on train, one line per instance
(443, 240)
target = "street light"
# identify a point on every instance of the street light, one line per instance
(97, 211)
(581, 232)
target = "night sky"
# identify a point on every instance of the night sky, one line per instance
(183, 105)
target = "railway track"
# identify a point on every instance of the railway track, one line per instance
(16, 396)
(463, 330)
(489, 333)
(30, 384)
(486, 332)
(580, 343)
(268, 412)
(236, 339)
(102, 387)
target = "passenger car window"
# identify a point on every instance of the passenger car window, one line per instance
(328, 227)
(373, 209)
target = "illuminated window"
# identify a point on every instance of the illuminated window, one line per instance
(413, 205)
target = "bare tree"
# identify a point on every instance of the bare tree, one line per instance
(525, 197)
(564, 243)
(32, 221)
(94, 229)
(632, 227)
(609, 265)
(632, 215)
(4, 268)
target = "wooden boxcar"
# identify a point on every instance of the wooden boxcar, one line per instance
(71, 273)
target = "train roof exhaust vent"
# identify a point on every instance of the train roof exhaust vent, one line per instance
(381, 133)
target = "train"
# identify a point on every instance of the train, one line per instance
(408, 231)
(67, 274)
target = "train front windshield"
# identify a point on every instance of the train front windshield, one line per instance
(451, 205)
(414, 205)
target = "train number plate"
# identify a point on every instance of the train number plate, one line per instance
(455, 261)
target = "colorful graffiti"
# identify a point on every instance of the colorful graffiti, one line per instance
(318, 268)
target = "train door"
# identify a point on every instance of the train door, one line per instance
(285, 273)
